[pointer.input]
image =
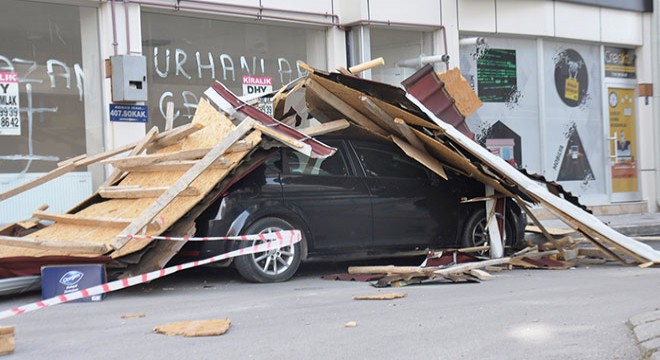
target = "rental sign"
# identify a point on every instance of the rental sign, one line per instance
(257, 85)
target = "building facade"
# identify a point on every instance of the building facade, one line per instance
(566, 85)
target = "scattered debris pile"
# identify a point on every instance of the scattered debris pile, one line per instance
(167, 179)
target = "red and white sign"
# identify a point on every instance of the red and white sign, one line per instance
(10, 120)
(255, 85)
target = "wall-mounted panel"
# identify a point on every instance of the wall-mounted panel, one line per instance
(621, 27)
(577, 21)
(476, 15)
(525, 17)
(415, 12)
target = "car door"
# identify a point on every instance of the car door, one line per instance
(411, 208)
(333, 201)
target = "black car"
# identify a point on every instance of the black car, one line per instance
(367, 200)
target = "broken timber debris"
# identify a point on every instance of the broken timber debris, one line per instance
(159, 186)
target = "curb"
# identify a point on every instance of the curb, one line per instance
(646, 328)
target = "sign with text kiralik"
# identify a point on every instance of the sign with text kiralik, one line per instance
(257, 85)
(10, 121)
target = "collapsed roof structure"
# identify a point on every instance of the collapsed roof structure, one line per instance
(168, 179)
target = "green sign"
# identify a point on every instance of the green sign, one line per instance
(496, 75)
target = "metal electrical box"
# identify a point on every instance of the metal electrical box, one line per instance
(129, 78)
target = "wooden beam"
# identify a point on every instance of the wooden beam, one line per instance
(285, 139)
(380, 117)
(182, 183)
(366, 65)
(81, 220)
(344, 108)
(404, 129)
(421, 156)
(38, 181)
(192, 154)
(176, 135)
(141, 146)
(169, 116)
(325, 128)
(55, 245)
(128, 192)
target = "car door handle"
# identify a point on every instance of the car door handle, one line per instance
(378, 189)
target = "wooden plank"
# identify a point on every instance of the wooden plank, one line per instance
(81, 220)
(325, 128)
(341, 106)
(564, 209)
(287, 140)
(179, 165)
(421, 156)
(182, 183)
(404, 130)
(33, 221)
(144, 160)
(128, 192)
(380, 117)
(368, 65)
(471, 265)
(55, 245)
(192, 154)
(177, 134)
(38, 181)
(141, 146)
(169, 116)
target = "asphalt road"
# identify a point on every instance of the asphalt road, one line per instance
(580, 313)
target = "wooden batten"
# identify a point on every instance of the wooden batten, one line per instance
(325, 128)
(141, 146)
(421, 156)
(176, 135)
(131, 192)
(81, 220)
(182, 183)
(55, 245)
(407, 133)
(344, 108)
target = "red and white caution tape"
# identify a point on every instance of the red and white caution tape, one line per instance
(264, 237)
(279, 240)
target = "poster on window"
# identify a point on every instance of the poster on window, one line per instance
(496, 75)
(620, 63)
(621, 106)
(504, 74)
(10, 121)
(573, 108)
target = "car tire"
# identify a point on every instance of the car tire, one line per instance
(271, 266)
(475, 232)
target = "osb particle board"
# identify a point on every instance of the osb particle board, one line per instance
(352, 97)
(216, 126)
(195, 328)
(466, 100)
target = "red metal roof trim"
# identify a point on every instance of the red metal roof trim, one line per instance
(319, 149)
(426, 87)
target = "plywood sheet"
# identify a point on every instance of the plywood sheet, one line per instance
(465, 99)
(216, 126)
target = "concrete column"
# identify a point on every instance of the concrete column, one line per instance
(449, 18)
(113, 30)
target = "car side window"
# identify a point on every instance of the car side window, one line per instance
(381, 162)
(335, 165)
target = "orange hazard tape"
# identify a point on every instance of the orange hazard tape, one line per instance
(276, 240)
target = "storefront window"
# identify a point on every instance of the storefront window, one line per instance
(504, 74)
(395, 47)
(186, 54)
(41, 46)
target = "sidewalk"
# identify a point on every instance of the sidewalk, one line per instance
(645, 326)
(645, 224)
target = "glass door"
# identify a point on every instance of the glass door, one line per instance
(623, 143)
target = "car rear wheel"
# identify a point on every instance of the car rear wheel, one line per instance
(475, 232)
(276, 265)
